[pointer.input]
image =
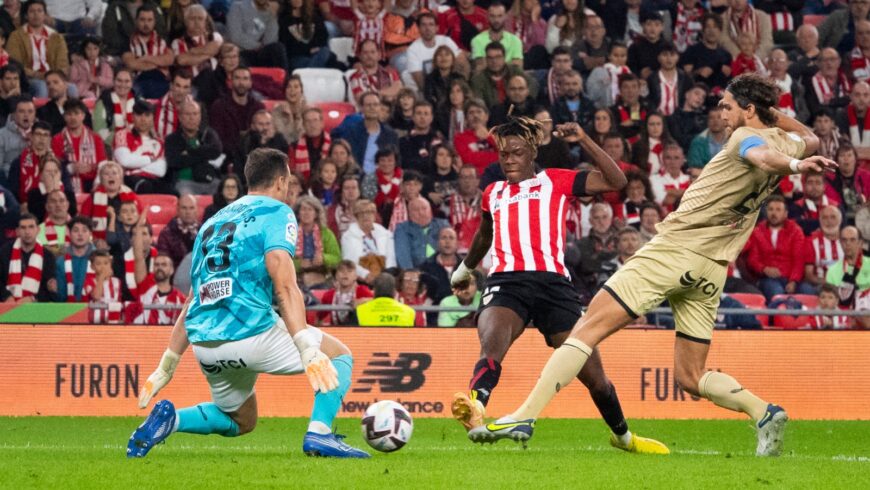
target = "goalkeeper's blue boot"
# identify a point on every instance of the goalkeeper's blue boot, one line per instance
(330, 446)
(503, 428)
(153, 431)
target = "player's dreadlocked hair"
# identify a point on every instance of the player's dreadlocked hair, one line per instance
(751, 88)
(529, 130)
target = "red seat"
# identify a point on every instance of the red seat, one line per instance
(160, 207)
(202, 202)
(753, 301)
(334, 113)
(791, 322)
(270, 104)
(814, 20)
(90, 103)
(276, 74)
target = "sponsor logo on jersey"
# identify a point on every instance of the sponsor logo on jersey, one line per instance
(214, 291)
(404, 374)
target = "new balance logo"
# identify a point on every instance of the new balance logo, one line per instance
(402, 375)
(702, 283)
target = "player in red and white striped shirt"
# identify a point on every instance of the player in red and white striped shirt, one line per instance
(523, 219)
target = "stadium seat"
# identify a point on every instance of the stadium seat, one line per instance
(160, 207)
(342, 48)
(334, 113)
(753, 301)
(202, 201)
(270, 104)
(322, 84)
(90, 103)
(814, 20)
(791, 322)
(40, 101)
(81, 197)
(276, 74)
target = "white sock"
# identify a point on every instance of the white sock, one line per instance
(318, 427)
(624, 439)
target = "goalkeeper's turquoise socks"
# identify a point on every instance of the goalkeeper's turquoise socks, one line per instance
(326, 405)
(205, 418)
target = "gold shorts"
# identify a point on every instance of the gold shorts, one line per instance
(662, 270)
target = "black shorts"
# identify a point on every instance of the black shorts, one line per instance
(545, 299)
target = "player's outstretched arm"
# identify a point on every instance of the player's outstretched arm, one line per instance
(774, 162)
(291, 306)
(608, 177)
(178, 343)
(792, 125)
(480, 245)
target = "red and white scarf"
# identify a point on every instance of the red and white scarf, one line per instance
(51, 232)
(838, 322)
(70, 280)
(823, 90)
(745, 22)
(462, 211)
(615, 71)
(152, 45)
(300, 160)
(99, 215)
(24, 283)
(782, 21)
(687, 27)
(786, 100)
(668, 103)
(813, 208)
(110, 312)
(388, 186)
(860, 64)
(577, 217)
(318, 243)
(130, 270)
(553, 82)
(860, 138)
(122, 112)
(167, 117)
(87, 153)
(139, 145)
(29, 175)
(39, 47)
(654, 159)
(399, 214)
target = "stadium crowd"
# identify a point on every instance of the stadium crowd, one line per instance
(173, 96)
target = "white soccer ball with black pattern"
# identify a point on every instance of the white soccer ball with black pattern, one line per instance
(387, 426)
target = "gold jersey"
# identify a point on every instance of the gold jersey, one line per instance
(718, 211)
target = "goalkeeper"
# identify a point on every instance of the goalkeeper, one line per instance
(241, 255)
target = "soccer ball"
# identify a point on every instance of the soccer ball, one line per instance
(387, 426)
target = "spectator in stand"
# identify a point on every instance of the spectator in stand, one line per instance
(688, 17)
(53, 233)
(827, 132)
(830, 86)
(774, 252)
(253, 26)
(415, 148)
(341, 153)
(572, 105)
(384, 310)
(346, 292)
(629, 111)
(303, 33)
(741, 17)
(148, 55)
(232, 115)
(592, 49)
(119, 234)
(160, 292)
(287, 114)
(140, 152)
(167, 110)
(27, 270)
(78, 147)
(120, 24)
(490, 82)
(442, 178)
(469, 297)
(50, 179)
(198, 47)
(371, 76)
(525, 21)
(586, 256)
(791, 100)
(338, 16)
(628, 243)
(50, 51)
(637, 192)
(647, 151)
(317, 250)
(668, 187)
(481, 44)
(438, 268)
(805, 211)
(400, 30)
(9, 213)
(476, 146)
(401, 111)
(848, 275)
(75, 18)
(829, 300)
(103, 288)
(114, 109)
(854, 123)
(707, 61)
(463, 22)
(261, 134)
(450, 116)
(417, 239)
(58, 92)
(859, 57)
(464, 213)
(568, 27)
(324, 182)
(369, 22)
(383, 185)
(667, 85)
(690, 119)
(175, 18)
(24, 172)
(339, 214)
(422, 52)
(553, 152)
(650, 216)
(517, 101)
(194, 153)
(807, 52)
(396, 211)
(367, 135)
(708, 143)
(838, 29)
(11, 15)
(72, 266)
(412, 291)
(822, 247)
(10, 89)
(229, 189)
(367, 244)
(14, 135)
(602, 126)
(560, 66)
(746, 61)
(849, 183)
(312, 146)
(644, 51)
(109, 193)
(604, 81)
(92, 73)
(177, 238)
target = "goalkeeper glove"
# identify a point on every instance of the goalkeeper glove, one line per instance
(460, 276)
(319, 369)
(159, 378)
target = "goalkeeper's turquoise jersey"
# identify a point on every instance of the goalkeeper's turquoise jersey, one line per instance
(232, 290)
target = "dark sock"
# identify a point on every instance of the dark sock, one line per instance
(610, 409)
(486, 374)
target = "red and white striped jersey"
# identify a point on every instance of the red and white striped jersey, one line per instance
(529, 222)
(821, 252)
(152, 296)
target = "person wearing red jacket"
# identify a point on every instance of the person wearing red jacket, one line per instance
(775, 251)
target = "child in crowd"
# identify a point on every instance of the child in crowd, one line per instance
(829, 300)
(103, 287)
(325, 182)
(747, 61)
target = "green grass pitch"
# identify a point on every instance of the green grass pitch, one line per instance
(81, 452)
